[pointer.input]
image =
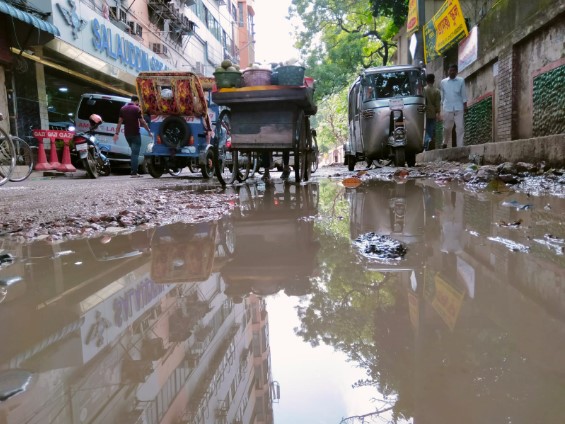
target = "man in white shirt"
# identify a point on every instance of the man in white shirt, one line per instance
(453, 105)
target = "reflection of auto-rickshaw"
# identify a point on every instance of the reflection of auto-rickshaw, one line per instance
(394, 210)
(275, 243)
(386, 116)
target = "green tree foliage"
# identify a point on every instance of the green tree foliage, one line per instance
(331, 121)
(360, 312)
(396, 9)
(339, 37)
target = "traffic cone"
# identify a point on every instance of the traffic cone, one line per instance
(42, 164)
(66, 165)
(53, 159)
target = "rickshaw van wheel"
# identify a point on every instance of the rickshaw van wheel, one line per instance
(174, 131)
(208, 168)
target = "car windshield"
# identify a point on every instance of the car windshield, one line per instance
(393, 84)
(108, 109)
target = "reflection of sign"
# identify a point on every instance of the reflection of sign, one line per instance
(446, 301)
(446, 28)
(413, 24)
(413, 309)
(468, 49)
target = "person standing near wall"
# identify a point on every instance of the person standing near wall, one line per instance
(454, 106)
(433, 106)
(131, 117)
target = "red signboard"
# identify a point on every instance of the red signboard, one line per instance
(57, 134)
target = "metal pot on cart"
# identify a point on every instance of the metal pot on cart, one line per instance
(386, 115)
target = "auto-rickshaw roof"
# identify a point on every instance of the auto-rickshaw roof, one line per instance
(394, 68)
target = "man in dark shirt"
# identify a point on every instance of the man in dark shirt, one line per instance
(131, 117)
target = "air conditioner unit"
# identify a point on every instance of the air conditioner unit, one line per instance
(160, 49)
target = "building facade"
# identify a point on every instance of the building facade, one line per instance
(513, 63)
(53, 51)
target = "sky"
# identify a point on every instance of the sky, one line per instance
(273, 32)
(309, 392)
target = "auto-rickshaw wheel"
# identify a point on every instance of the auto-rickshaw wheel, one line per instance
(155, 169)
(399, 156)
(351, 163)
(411, 159)
(207, 168)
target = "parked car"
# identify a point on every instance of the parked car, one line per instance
(108, 107)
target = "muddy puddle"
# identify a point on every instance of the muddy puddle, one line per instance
(413, 302)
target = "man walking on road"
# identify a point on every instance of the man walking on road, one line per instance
(131, 117)
(454, 106)
(433, 105)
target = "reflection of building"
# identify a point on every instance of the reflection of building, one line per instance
(108, 344)
(487, 317)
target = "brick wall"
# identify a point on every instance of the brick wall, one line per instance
(507, 62)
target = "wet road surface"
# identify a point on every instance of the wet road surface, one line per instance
(276, 314)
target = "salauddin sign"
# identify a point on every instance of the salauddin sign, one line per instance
(446, 28)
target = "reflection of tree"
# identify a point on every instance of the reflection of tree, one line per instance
(359, 312)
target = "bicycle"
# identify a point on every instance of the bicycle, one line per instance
(16, 158)
(24, 160)
(7, 157)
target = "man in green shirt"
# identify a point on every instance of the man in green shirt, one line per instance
(433, 105)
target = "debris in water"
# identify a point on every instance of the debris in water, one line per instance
(351, 182)
(514, 224)
(515, 204)
(512, 245)
(13, 382)
(379, 246)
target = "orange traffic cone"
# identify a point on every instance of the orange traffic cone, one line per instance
(53, 159)
(66, 165)
(42, 164)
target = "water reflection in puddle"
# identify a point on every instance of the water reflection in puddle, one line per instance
(213, 322)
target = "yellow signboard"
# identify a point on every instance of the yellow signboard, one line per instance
(450, 27)
(446, 28)
(413, 25)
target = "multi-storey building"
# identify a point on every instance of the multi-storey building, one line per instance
(52, 51)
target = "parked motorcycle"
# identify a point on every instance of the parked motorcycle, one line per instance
(88, 149)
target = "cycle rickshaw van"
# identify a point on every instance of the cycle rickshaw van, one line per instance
(178, 106)
(386, 116)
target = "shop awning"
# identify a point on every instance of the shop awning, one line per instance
(35, 23)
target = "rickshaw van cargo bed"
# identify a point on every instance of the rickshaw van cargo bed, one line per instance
(271, 125)
(300, 96)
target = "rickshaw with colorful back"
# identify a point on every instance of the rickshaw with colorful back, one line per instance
(181, 115)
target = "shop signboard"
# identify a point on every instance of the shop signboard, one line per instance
(444, 30)
(468, 49)
(105, 322)
(107, 47)
(412, 24)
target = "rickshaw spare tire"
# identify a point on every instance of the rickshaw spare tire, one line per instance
(174, 132)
